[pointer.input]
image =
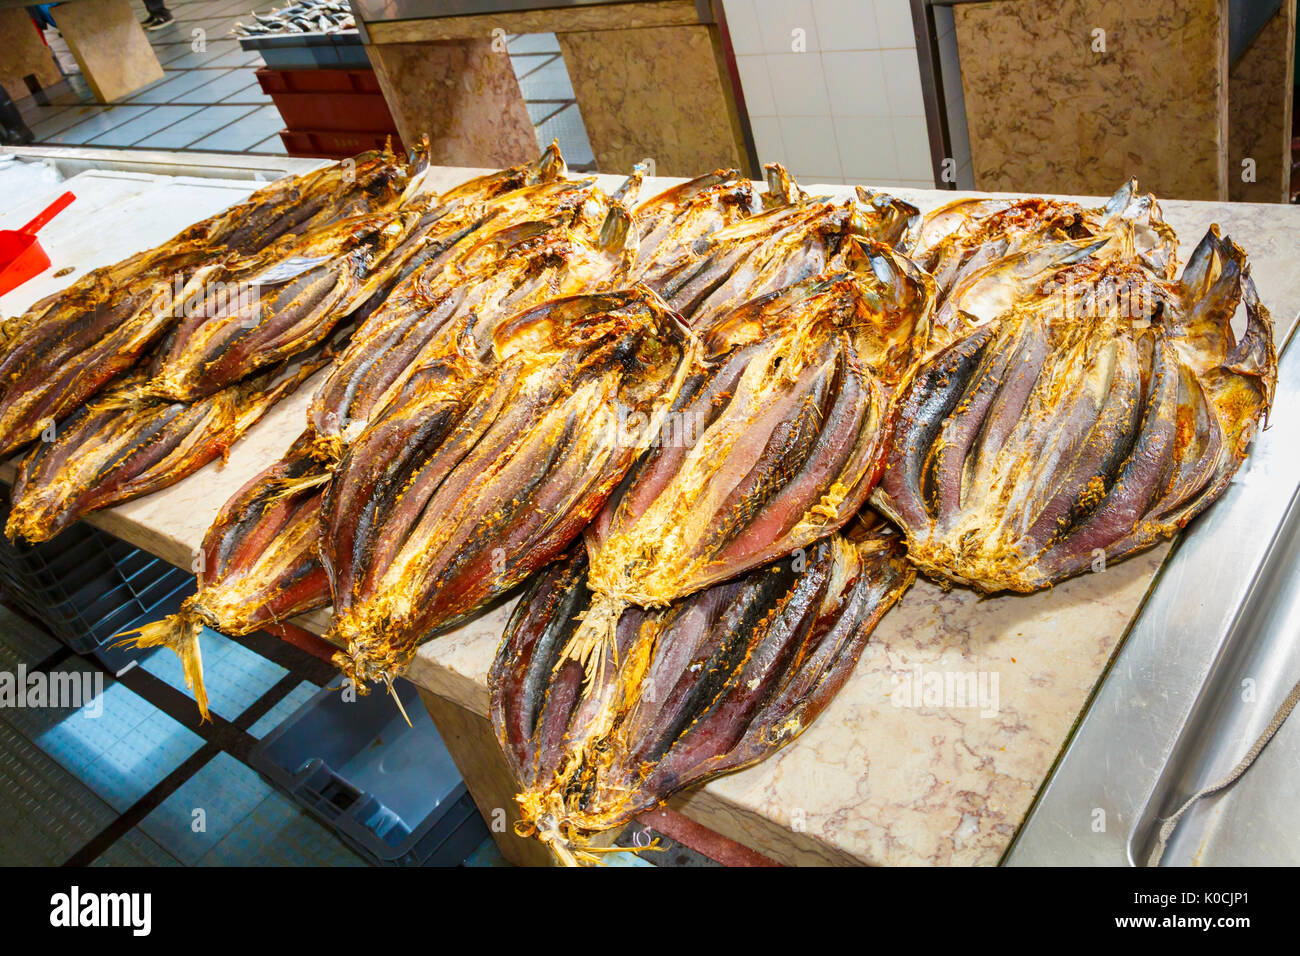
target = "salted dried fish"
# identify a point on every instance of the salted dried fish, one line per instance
(521, 251)
(69, 346)
(986, 254)
(444, 503)
(1083, 425)
(796, 238)
(713, 683)
(105, 454)
(243, 583)
(788, 424)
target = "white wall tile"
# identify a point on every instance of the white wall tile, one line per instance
(845, 25)
(903, 82)
(777, 19)
(855, 83)
(756, 85)
(798, 86)
(742, 25)
(767, 139)
(867, 147)
(810, 148)
(894, 23)
(913, 144)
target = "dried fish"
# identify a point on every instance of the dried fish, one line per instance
(452, 498)
(70, 345)
(105, 454)
(711, 684)
(1084, 424)
(789, 422)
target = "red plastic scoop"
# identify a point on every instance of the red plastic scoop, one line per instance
(21, 256)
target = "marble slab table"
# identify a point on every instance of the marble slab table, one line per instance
(878, 779)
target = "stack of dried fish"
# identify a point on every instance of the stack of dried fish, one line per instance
(228, 349)
(703, 395)
(69, 346)
(306, 16)
(1095, 416)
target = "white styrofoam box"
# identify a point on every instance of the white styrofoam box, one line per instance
(894, 23)
(779, 19)
(756, 84)
(903, 82)
(767, 139)
(913, 143)
(115, 215)
(855, 83)
(810, 148)
(846, 25)
(742, 26)
(867, 149)
(798, 84)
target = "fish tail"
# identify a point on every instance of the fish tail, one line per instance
(179, 632)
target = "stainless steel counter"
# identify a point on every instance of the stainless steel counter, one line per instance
(1211, 656)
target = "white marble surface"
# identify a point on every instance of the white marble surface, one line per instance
(876, 779)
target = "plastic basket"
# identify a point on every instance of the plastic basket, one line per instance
(86, 586)
(391, 791)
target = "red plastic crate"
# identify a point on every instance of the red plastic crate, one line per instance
(317, 81)
(342, 100)
(334, 144)
(345, 112)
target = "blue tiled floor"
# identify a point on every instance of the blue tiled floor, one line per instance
(65, 775)
(234, 676)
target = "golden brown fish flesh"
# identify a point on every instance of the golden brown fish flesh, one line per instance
(1083, 425)
(711, 684)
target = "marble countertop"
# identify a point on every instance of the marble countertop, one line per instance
(899, 769)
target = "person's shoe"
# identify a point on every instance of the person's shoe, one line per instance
(160, 21)
(149, 21)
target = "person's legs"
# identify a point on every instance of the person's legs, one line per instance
(157, 10)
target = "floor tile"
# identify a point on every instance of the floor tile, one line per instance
(60, 118)
(204, 809)
(241, 57)
(550, 82)
(530, 62)
(22, 643)
(234, 676)
(215, 49)
(272, 145)
(566, 126)
(534, 43)
(218, 88)
(249, 94)
(96, 124)
(203, 123)
(279, 713)
(183, 82)
(140, 759)
(135, 849)
(46, 814)
(280, 833)
(246, 133)
(133, 131)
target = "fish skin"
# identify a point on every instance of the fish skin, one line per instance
(258, 565)
(713, 683)
(69, 346)
(105, 454)
(1103, 431)
(733, 499)
(440, 506)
